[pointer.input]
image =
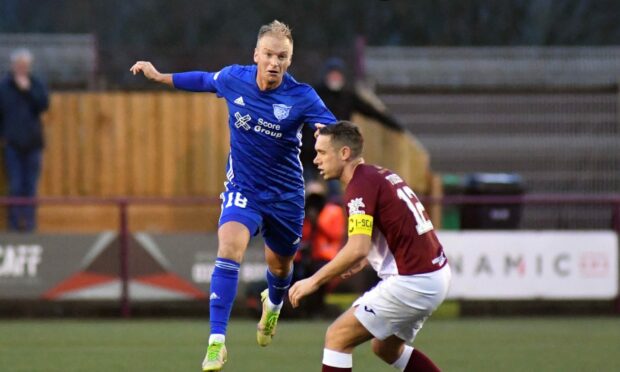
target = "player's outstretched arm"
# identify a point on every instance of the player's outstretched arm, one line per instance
(151, 72)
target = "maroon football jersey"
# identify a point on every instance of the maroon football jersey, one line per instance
(404, 242)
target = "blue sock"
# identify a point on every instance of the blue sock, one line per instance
(223, 292)
(278, 287)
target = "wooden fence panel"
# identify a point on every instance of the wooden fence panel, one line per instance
(120, 170)
(197, 149)
(220, 141)
(88, 144)
(52, 166)
(71, 146)
(167, 130)
(213, 153)
(104, 137)
(163, 144)
(181, 169)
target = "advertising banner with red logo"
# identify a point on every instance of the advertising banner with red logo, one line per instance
(532, 264)
(503, 265)
(161, 267)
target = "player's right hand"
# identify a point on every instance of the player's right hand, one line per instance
(146, 68)
(318, 127)
(301, 289)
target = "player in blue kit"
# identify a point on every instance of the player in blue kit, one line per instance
(264, 187)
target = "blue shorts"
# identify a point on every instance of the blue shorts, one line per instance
(280, 222)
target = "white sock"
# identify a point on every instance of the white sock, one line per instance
(337, 359)
(402, 361)
(217, 337)
(272, 307)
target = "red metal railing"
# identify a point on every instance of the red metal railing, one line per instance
(123, 203)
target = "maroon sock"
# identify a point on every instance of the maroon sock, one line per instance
(419, 362)
(335, 369)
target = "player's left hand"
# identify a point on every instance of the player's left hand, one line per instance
(300, 290)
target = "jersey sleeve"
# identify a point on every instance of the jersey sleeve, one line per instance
(361, 203)
(317, 112)
(201, 81)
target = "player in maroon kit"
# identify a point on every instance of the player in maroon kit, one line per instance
(388, 228)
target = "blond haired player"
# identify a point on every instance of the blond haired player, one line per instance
(264, 188)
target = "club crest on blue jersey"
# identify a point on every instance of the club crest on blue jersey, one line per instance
(281, 111)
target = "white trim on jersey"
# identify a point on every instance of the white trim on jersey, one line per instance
(230, 174)
(380, 257)
(299, 137)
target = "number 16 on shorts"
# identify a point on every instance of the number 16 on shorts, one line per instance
(231, 198)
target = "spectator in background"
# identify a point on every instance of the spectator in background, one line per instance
(342, 100)
(322, 237)
(23, 98)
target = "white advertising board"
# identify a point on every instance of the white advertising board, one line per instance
(513, 265)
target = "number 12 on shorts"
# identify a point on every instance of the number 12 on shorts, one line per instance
(407, 195)
(230, 198)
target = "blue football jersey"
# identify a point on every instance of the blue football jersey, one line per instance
(265, 128)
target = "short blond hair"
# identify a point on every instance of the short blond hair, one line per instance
(275, 28)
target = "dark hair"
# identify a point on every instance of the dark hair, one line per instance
(347, 134)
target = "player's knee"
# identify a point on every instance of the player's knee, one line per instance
(233, 239)
(279, 266)
(335, 340)
(230, 250)
(330, 338)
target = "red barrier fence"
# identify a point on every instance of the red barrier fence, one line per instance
(123, 203)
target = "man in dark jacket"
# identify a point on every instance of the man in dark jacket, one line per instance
(342, 100)
(23, 98)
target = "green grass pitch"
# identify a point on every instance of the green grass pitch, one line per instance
(474, 344)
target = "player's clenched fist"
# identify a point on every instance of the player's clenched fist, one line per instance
(151, 72)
